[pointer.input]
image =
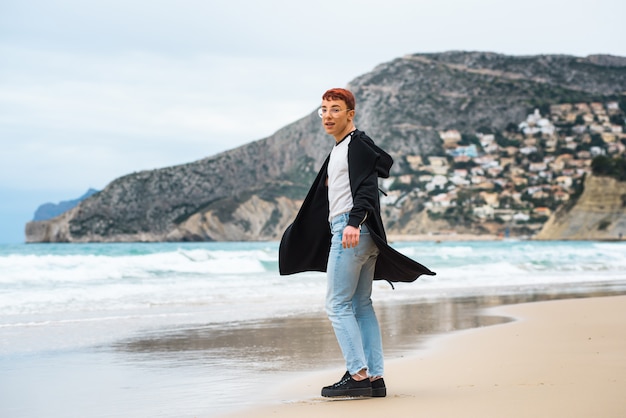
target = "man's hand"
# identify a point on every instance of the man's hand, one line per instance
(350, 237)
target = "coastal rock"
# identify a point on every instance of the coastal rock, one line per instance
(54, 230)
(254, 217)
(599, 213)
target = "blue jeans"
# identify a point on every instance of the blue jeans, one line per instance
(348, 300)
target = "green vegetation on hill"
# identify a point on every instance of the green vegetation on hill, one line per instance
(610, 167)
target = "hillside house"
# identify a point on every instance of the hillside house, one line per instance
(483, 212)
(596, 128)
(486, 185)
(438, 182)
(535, 124)
(492, 199)
(487, 161)
(597, 108)
(612, 107)
(465, 150)
(528, 150)
(414, 161)
(561, 109)
(438, 165)
(511, 150)
(462, 159)
(608, 137)
(588, 118)
(561, 196)
(477, 171)
(504, 214)
(521, 217)
(405, 179)
(450, 138)
(551, 144)
(616, 148)
(564, 181)
(459, 180)
(582, 108)
(595, 151)
(541, 166)
(532, 141)
(542, 211)
(495, 171)
(478, 179)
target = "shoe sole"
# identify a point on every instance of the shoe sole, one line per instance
(350, 393)
(379, 392)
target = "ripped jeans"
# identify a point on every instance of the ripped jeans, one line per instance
(348, 300)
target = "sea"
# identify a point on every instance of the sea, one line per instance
(201, 329)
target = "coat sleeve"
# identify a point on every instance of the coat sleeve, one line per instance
(362, 161)
(363, 200)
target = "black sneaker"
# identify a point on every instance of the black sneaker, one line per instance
(347, 386)
(379, 390)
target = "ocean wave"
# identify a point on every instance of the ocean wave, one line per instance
(242, 278)
(90, 267)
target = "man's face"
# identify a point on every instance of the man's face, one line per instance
(336, 118)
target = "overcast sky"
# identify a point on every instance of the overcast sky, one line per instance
(93, 90)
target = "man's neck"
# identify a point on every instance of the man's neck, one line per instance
(340, 137)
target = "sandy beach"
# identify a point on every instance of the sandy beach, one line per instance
(564, 358)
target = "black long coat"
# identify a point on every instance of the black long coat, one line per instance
(306, 242)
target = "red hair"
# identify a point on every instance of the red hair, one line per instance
(340, 94)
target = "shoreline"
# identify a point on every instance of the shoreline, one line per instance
(556, 358)
(454, 237)
(451, 237)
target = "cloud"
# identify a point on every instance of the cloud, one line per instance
(136, 104)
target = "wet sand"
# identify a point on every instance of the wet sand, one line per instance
(563, 358)
(440, 351)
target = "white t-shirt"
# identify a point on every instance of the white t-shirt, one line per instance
(339, 192)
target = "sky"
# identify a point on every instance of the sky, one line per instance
(93, 90)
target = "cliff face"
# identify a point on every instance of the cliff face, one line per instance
(599, 213)
(253, 192)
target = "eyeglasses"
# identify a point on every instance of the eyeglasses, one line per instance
(334, 112)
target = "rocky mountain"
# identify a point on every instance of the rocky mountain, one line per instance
(253, 192)
(52, 210)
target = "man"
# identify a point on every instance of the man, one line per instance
(339, 230)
